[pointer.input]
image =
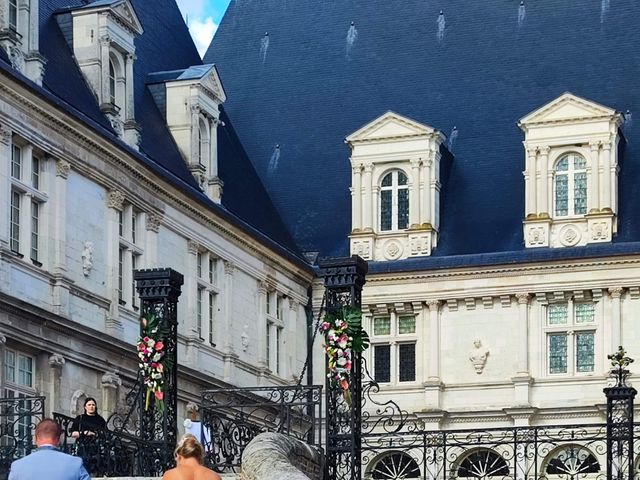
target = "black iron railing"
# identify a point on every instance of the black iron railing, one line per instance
(18, 419)
(111, 453)
(231, 418)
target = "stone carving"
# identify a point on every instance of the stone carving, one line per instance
(616, 292)
(393, 250)
(111, 380)
(229, 267)
(192, 247)
(56, 360)
(115, 199)
(419, 245)
(5, 135)
(569, 235)
(87, 258)
(17, 58)
(245, 338)
(3, 339)
(363, 249)
(116, 123)
(599, 231)
(62, 168)
(153, 222)
(478, 356)
(537, 236)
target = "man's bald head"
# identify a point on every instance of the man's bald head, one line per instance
(48, 432)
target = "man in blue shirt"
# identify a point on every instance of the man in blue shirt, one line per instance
(47, 462)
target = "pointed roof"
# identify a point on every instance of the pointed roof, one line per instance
(391, 126)
(123, 9)
(207, 75)
(567, 108)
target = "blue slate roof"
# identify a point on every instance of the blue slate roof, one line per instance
(165, 46)
(295, 93)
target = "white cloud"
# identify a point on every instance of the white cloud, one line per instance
(202, 32)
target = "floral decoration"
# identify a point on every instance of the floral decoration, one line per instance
(154, 362)
(343, 336)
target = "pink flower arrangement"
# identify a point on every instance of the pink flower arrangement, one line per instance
(343, 336)
(153, 360)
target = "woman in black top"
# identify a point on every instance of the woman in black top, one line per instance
(89, 423)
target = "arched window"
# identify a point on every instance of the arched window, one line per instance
(112, 82)
(203, 142)
(395, 466)
(483, 463)
(394, 201)
(570, 185)
(572, 461)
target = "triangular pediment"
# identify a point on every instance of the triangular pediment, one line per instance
(390, 126)
(127, 14)
(211, 81)
(567, 107)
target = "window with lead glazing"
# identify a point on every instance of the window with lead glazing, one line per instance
(13, 15)
(394, 201)
(570, 186)
(208, 289)
(27, 200)
(394, 348)
(18, 382)
(130, 231)
(275, 331)
(570, 332)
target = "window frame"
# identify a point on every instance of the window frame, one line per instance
(395, 189)
(570, 174)
(571, 329)
(208, 290)
(275, 324)
(130, 251)
(396, 341)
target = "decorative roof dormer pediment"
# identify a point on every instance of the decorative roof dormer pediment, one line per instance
(568, 109)
(391, 127)
(120, 11)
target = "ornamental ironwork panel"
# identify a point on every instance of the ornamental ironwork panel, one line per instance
(343, 282)
(111, 453)
(18, 419)
(232, 417)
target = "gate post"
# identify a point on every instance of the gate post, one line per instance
(159, 290)
(343, 281)
(620, 420)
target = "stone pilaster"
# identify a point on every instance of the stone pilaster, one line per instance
(111, 383)
(54, 393)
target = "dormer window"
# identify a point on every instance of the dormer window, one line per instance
(194, 128)
(102, 39)
(394, 201)
(13, 15)
(395, 188)
(570, 186)
(571, 173)
(19, 37)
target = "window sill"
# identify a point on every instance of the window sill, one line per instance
(17, 254)
(36, 263)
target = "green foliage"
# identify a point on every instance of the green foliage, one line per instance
(353, 317)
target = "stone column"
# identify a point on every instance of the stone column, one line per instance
(227, 327)
(292, 341)
(356, 198)
(530, 183)
(523, 333)
(368, 207)
(3, 345)
(152, 224)
(422, 348)
(111, 382)
(195, 134)
(54, 393)
(544, 181)
(607, 176)
(261, 337)
(5, 183)
(522, 380)
(115, 204)
(414, 194)
(60, 287)
(593, 200)
(616, 318)
(105, 43)
(213, 147)
(425, 194)
(129, 113)
(433, 385)
(191, 287)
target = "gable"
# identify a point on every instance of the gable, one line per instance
(125, 12)
(390, 126)
(211, 81)
(567, 107)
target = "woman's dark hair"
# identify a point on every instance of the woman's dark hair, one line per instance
(90, 399)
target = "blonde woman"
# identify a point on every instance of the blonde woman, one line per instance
(189, 457)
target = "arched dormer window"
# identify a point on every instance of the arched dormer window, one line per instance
(570, 186)
(394, 201)
(112, 82)
(203, 142)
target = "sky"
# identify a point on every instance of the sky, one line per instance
(203, 18)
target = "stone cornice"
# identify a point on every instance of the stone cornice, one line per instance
(135, 177)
